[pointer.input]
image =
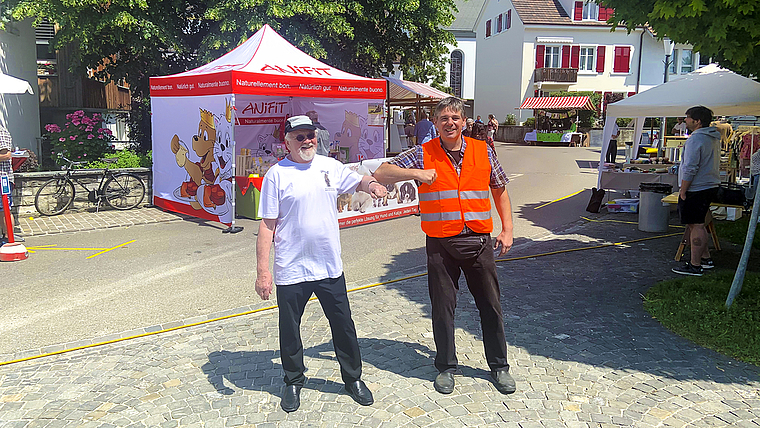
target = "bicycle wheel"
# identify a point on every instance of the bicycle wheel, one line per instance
(124, 191)
(54, 197)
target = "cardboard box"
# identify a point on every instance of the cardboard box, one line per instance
(733, 213)
(623, 206)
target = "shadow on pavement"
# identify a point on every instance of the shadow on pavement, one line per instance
(586, 306)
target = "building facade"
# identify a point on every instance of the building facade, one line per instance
(528, 48)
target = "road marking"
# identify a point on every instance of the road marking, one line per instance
(56, 248)
(557, 200)
(113, 248)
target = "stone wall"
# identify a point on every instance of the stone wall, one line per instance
(512, 133)
(27, 184)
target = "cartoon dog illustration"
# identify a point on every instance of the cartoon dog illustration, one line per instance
(361, 201)
(407, 193)
(392, 194)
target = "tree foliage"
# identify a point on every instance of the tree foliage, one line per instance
(725, 30)
(136, 39)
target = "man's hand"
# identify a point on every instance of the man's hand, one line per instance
(427, 176)
(504, 240)
(264, 285)
(377, 190)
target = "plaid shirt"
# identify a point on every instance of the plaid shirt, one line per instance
(6, 143)
(413, 158)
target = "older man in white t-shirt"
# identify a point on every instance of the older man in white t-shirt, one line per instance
(299, 211)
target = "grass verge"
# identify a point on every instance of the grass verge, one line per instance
(736, 231)
(695, 308)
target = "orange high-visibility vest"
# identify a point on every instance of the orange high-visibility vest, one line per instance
(455, 200)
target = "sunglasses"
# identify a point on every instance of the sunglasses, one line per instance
(301, 137)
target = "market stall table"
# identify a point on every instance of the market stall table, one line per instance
(626, 181)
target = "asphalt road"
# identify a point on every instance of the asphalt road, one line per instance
(179, 270)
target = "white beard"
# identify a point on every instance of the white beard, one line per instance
(307, 154)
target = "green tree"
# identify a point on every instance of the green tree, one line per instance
(725, 30)
(136, 39)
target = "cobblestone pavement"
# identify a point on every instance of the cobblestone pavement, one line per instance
(35, 225)
(582, 349)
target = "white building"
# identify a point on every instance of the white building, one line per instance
(528, 48)
(20, 113)
(460, 75)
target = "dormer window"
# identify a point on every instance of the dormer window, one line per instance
(590, 11)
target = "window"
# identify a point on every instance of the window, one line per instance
(704, 60)
(455, 73)
(590, 10)
(488, 28)
(687, 61)
(508, 19)
(673, 61)
(498, 24)
(622, 62)
(551, 57)
(587, 58)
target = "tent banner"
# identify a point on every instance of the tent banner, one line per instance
(193, 156)
(359, 207)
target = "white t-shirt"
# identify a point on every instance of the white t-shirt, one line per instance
(680, 128)
(303, 198)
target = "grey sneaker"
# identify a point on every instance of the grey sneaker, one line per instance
(504, 382)
(707, 263)
(689, 269)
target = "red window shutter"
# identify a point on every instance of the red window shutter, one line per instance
(600, 59)
(578, 15)
(630, 94)
(488, 28)
(540, 56)
(509, 19)
(622, 59)
(565, 56)
(602, 16)
(575, 54)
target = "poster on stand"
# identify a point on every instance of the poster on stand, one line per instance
(355, 126)
(193, 156)
(359, 208)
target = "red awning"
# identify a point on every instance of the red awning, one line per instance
(557, 103)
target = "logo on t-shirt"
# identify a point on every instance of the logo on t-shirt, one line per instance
(327, 181)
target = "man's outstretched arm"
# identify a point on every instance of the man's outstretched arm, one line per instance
(388, 173)
(263, 245)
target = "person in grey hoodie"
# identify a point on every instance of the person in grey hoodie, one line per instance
(699, 177)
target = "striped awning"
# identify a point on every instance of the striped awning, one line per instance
(405, 89)
(557, 103)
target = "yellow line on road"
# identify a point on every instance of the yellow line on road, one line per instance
(113, 248)
(557, 200)
(68, 249)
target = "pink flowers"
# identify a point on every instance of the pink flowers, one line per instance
(52, 127)
(90, 136)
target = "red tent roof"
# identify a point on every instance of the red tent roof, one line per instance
(267, 64)
(557, 103)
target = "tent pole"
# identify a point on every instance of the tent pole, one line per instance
(233, 228)
(389, 117)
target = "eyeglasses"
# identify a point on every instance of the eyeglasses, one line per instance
(301, 137)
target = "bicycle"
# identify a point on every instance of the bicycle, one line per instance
(121, 191)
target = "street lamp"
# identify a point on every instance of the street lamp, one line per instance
(668, 45)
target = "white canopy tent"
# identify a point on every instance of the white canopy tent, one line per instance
(14, 85)
(724, 92)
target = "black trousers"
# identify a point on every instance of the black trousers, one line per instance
(291, 300)
(612, 150)
(444, 270)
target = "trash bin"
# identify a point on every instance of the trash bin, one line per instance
(653, 214)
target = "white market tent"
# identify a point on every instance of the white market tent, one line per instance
(239, 101)
(14, 85)
(723, 91)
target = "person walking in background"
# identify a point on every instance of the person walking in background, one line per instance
(456, 174)
(307, 254)
(612, 147)
(467, 131)
(699, 177)
(491, 128)
(424, 131)
(679, 128)
(323, 135)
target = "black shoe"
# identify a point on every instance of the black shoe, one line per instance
(291, 398)
(707, 263)
(504, 382)
(444, 383)
(359, 392)
(689, 269)
(18, 239)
